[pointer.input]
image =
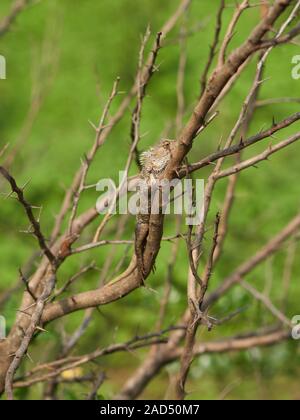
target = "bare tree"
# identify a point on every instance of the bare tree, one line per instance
(41, 302)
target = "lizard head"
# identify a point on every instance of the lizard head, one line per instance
(155, 160)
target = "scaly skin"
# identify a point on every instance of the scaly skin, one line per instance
(154, 162)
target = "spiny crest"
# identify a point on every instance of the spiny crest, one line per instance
(145, 156)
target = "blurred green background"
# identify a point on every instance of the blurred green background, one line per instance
(69, 53)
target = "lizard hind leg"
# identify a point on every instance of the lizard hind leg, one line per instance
(141, 233)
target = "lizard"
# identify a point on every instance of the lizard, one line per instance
(153, 163)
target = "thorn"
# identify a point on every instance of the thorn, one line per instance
(8, 195)
(41, 329)
(30, 306)
(93, 125)
(23, 312)
(29, 357)
(86, 159)
(220, 144)
(149, 289)
(25, 185)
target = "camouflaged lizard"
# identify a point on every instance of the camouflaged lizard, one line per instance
(154, 161)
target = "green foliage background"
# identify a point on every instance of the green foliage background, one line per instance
(93, 42)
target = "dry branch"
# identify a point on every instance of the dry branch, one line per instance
(150, 368)
(28, 209)
(17, 7)
(213, 48)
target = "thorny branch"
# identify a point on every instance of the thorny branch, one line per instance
(212, 51)
(39, 305)
(28, 209)
(142, 83)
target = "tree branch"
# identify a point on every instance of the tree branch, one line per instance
(17, 7)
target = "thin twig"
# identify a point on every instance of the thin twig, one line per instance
(28, 209)
(91, 155)
(142, 83)
(17, 7)
(212, 51)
